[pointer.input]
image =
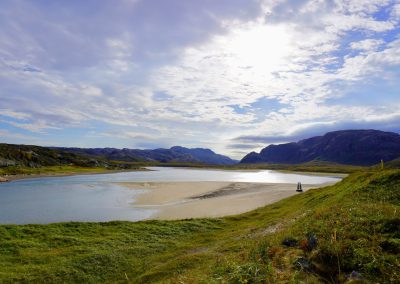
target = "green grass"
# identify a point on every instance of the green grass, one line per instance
(58, 170)
(356, 222)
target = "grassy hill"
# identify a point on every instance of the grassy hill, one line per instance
(33, 160)
(323, 235)
(36, 156)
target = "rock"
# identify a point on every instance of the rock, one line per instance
(6, 163)
(354, 277)
(290, 242)
(3, 179)
(312, 242)
(302, 264)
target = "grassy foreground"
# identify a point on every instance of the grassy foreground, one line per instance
(323, 235)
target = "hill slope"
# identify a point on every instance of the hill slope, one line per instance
(351, 147)
(327, 235)
(36, 156)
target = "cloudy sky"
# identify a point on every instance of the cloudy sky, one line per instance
(231, 75)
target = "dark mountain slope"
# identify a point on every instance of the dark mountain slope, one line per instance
(352, 147)
(204, 155)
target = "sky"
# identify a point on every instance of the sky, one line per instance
(230, 75)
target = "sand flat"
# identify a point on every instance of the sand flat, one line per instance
(180, 200)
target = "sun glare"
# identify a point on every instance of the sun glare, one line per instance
(261, 48)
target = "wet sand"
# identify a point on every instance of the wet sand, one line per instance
(181, 200)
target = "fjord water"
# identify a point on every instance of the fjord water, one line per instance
(96, 198)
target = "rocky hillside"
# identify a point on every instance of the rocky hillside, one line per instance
(174, 154)
(36, 156)
(351, 147)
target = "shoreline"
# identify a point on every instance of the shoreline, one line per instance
(302, 172)
(10, 178)
(184, 200)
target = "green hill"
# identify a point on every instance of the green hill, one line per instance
(36, 156)
(33, 160)
(346, 232)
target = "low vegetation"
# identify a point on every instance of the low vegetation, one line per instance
(49, 170)
(349, 232)
(314, 166)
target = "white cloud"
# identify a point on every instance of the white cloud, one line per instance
(396, 12)
(14, 114)
(367, 44)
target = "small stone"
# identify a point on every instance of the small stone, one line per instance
(302, 263)
(354, 276)
(290, 242)
(3, 179)
(312, 242)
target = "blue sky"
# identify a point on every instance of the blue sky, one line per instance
(230, 75)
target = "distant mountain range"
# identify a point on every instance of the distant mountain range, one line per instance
(174, 154)
(352, 147)
(36, 156)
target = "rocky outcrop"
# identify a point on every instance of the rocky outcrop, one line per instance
(2, 179)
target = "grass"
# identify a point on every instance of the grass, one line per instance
(327, 233)
(58, 170)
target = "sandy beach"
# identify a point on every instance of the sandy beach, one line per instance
(180, 200)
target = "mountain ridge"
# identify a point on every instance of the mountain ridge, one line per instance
(173, 154)
(349, 147)
(37, 156)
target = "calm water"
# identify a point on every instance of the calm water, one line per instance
(97, 198)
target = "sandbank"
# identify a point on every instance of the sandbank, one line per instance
(182, 200)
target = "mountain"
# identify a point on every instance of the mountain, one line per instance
(174, 154)
(394, 164)
(37, 156)
(204, 155)
(352, 147)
